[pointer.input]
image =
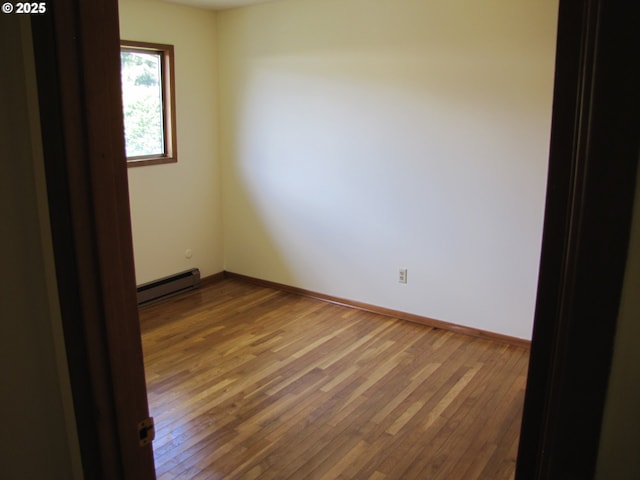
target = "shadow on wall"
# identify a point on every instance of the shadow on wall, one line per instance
(351, 161)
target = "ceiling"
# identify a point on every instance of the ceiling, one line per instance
(219, 4)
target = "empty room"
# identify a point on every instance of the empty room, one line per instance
(336, 210)
(385, 159)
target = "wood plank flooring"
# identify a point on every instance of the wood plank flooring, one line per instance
(248, 382)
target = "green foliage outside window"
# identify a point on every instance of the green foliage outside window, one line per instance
(142, 103)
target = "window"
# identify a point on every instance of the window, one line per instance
(148, 103)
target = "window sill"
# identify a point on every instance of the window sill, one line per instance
(146, 161)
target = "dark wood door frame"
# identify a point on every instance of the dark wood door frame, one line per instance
(590, 192)
(76, 45)
(593, 158)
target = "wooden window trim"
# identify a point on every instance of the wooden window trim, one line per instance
(168, 103)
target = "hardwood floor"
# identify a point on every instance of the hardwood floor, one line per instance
(248, 382)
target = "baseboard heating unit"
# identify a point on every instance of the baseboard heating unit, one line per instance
(168, 286)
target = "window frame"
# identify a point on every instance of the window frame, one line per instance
(168, 102)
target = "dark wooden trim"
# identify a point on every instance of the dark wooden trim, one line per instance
(211, 279)
(138, 45)
(145, 162)
(593, 161)
(410, 317)
(169, 113)
(76, 47)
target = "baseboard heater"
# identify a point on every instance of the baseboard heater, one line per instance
(168, 286)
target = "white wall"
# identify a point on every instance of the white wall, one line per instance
(618, 458)
(177, 206)
(359, 137)
(38, 437)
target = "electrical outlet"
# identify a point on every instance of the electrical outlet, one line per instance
(402, 276)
